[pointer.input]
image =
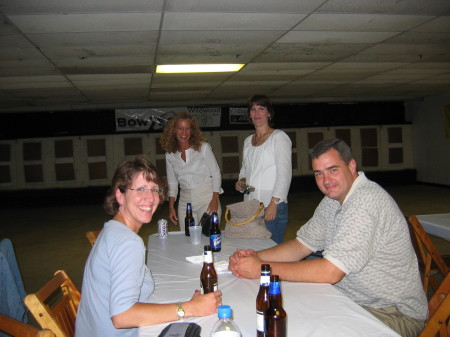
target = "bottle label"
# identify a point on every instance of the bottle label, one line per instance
(202, 290)
(265, 280)
(274, 288)
(207, 256)
(216, 241)
(259, 321)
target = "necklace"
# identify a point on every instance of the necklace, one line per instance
(258, 140)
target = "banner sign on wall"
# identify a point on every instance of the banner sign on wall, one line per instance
(157, 118)
(206, 117)
(238, 116)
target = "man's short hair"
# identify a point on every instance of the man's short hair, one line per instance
(332, 143)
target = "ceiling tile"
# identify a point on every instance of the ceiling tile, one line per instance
(103, 61)
(218, 36)
(334, 37)
(94, 38)
(207, 53)
(417, 7)
(236, 6)
(438, 25)
(84, 52)
(230, 21)
(421, 38)
(361, 22)
(102, 22)
(79, 6)
(285, 52)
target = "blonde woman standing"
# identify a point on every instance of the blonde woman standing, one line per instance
(190, 164)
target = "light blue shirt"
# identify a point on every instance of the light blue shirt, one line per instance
(115, 278)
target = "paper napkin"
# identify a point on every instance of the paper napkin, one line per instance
(221, 267)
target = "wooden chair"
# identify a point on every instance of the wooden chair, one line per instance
(17, 328)
(439, 312)
(431, 263)
(92, 236)
(55, 305)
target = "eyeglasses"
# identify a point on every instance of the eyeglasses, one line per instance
(144, 190)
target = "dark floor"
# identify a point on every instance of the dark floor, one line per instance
(50, 238)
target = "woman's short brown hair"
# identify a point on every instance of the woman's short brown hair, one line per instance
(124, 176)
(264, 101)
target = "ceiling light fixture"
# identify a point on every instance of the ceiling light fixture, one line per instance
(197, 68)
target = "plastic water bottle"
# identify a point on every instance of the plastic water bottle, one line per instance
(225, 326)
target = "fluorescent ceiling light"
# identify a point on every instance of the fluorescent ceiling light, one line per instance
(197, 68)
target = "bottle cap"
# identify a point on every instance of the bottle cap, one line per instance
(224, 311)
(265, 267)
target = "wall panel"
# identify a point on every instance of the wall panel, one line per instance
(76, 162)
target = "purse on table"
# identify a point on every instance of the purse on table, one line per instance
(245, 220)
(205, 222)
(181, 329)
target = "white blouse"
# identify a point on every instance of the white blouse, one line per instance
(200, 169)
(268, 167)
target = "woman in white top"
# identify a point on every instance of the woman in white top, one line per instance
(191, 164)
(267, 166)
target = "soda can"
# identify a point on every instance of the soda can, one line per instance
(162, 228)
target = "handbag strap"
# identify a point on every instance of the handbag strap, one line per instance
(253, 217)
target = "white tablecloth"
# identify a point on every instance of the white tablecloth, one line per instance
(436, 224)
(314, 310)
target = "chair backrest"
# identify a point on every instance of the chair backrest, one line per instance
(17, 328)
(55, 305)
(430, 260)
(92, 236)
(439, 312)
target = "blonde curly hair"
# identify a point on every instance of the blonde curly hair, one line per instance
(169, 141)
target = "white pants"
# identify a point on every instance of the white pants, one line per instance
(200, 199)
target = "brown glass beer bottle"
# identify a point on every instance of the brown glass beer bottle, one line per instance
(189, 219)
(208, 275)
(275, 316)
(262, 299)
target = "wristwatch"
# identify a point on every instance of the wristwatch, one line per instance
(180, 311)
(276, 202)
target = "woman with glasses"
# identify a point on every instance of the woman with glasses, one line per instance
(117, 283)
(191, 164)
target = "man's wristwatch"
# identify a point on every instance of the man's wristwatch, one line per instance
(180, 311)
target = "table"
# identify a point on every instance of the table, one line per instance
(436, 224)
(314, 310)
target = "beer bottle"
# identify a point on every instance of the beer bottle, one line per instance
(262, 299)
(208, 275)
(275, 316)
(189, 219)
(215, 235)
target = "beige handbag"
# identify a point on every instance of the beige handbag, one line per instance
(245, 220)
